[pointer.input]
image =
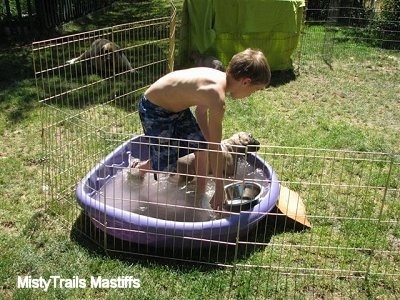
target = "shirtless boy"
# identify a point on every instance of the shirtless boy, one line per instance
(165, 112)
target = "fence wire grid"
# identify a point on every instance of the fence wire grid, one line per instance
(351, 198)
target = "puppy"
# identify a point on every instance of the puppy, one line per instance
(232, 149)
(206, 61)
(101, 55)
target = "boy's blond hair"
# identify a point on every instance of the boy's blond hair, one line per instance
(250, 63)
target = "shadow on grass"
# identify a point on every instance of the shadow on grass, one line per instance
(17, 84)
(119, 13)
(282, 77)
(116, 13)
(15, 65)
(84, 233)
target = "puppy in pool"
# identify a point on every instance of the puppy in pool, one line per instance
(232, 148)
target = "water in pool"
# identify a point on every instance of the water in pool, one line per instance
(165, 198)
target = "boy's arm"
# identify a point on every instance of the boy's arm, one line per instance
(210, 123)
(216, 114)
(201, 113)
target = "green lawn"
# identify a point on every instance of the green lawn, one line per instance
(352, 198)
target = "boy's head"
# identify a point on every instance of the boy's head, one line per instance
(252, 64)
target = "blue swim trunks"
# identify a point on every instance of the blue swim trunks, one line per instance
(172, 135)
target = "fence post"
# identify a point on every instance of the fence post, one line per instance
(172, 31)
(330, 31)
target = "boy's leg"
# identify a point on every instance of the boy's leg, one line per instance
(201, 167)
(157, 126)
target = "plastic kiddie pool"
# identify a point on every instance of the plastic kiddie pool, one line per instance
(156, 232)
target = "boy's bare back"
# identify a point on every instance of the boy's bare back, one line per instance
(182, 89)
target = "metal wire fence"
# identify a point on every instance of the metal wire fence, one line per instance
(360, 24)
(350, 198)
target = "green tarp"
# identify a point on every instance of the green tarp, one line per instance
(224, 27)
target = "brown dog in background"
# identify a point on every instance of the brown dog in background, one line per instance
(103, 55)
(232, 149)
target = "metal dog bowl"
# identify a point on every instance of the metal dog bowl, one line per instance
(242, 195)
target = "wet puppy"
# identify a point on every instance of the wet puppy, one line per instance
(206, 61)
(232, 148)
(102, 56)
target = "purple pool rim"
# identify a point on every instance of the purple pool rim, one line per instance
(154, 232)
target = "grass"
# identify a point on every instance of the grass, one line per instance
(353, 104)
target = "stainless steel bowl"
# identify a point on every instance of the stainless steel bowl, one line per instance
(242, 195)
